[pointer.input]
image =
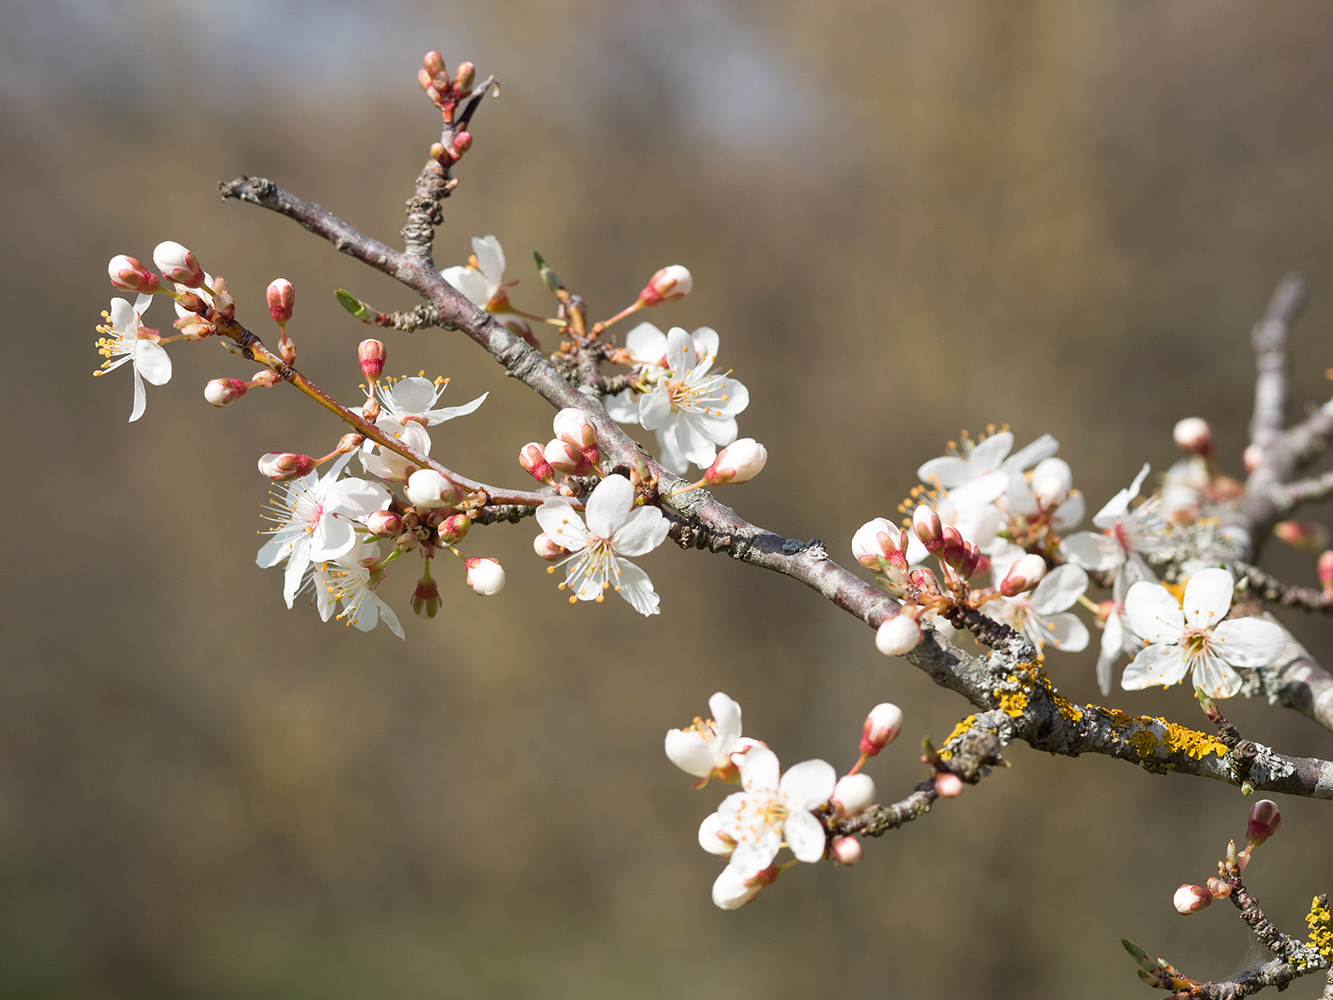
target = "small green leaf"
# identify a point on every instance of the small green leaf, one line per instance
(549, 278)
(352, 304)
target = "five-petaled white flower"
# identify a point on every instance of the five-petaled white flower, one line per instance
(711, 747)
(615, 529)
(770, 811)
(415, 398)
(314, 515)
(1195, 637)
(482, 281)
(990, 454)
(1043, 613)
(351, 580)
(692, 409)
(1125, 537)
(389, 465)
(124, 338)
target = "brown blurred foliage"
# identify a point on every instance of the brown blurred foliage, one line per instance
(903, 218)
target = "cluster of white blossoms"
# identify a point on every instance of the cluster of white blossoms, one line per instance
(798, 809)
(1001, 527)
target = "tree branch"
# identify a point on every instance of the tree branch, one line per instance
(1270, 345)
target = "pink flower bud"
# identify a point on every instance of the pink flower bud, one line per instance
(533, 459)
(1025, 574)
(853, 794)
(731, 890)
(928, 527)
(485, 576)
(178, 264)
(1308, 536)
(429, 490)
(267, 378)
(738, 462)
(1251, 457)
(548, 549)
(1325, 569)
(1191, 899)
(1194, 435)
(953, 551)
(371, 354)
(1264, 821)
(970, 564)
(564, 457)
(284, 465)
(426, 598)
(461, 143)
(464, 76)
(924, 579)
(384, 524)
(129, 275)
(712, 838)
(847, 851)
(898, 636)
(672, 282)
(948, 785)
(407, 541)
(281, 298)
(881, 728)
(453, 528)
(434, 64)
(221, 391)
(574, 427)
(875, 540)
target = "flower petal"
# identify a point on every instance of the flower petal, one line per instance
(754, 854)
(646, 343)
(1208, 597)
(1070, 513)
(737, 396)
(140, 396)
(1153, 613)
(1066, 632)
(623, 407)
(1060, 589)
(471, 283)
(440, 414)
(680, 352)
(637, 589)
(949, 471)
(808, 784)
(1249, 642)
(644, 530)
(654, 408)
(1111, 648)
(759, 770)
(1155, 664)
(610, 506)
(805, 836)
(1093, 550)
(727, 717)
(1028, 456)
(152, 362)
(562, 524)
(989, 455)
(689, 751)
(1216, 678)
(706, 343)
(490, 258)
(731, 891)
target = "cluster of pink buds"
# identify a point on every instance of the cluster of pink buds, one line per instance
(1263, 822)
(445, 92)
(572, 452)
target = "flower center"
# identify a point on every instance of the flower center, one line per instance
(1194, 641)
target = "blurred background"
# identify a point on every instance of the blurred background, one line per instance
(904, 219)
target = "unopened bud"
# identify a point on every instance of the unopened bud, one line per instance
(853, 794)
(1218, 889)
(221, 391)
(671, 282)
(1264, 821)
(875, 540)
(574, 427)
(846, 851)
(1052, 480)
(485, 576)
(464, 76)
(192, 303)
(881, 728)
(928, 527)
(731, 890)
(281, 298)
(384, 524)
(564, 457)
(1025, 574)
(898, 636)
(424, 78)
(954, 548)
(266, 379)
(1191, 899)
(426, 598)
(371, 354)
(284, 465)
(533, 460)
(1308, 536)
(948, 785)
(924, 580)
(223, 303)
(407, 541)
(970, 564)
(129, 275)
(178, 264)
(548, 549)
(453, 528)
(738, 462)
(461, 143)
(1194, 435)
(433, 63)
(1251, 457)
(713, 839)
(429, 490)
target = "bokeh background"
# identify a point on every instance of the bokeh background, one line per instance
(904, 219)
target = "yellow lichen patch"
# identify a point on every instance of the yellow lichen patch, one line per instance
(1320, 921)
(1012, 703)
(1067, 708)
(1143, 740)
(961, 728)
(1191, 742)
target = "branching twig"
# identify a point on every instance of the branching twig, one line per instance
(1270, 348)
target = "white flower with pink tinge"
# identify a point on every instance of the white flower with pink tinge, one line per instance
(1125, 537)
(712, 747)
(415, 398)
(772, 809)
(615, 529)
(990, 454)
(124, 338)
(482, 281)
(314, 517)
(1043, 614)
(351, 580)
(1195, 637)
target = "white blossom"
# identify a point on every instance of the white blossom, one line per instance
(415, 398)
(705, 749)
(615, 529)
(389, 465)
(350, 581)
(1195, 637)
(771, 810)
(314, 517)
(991, 454)
(124, 338)
(1126, 536)
(1043, 613)
(482, 281)
(1049, 494)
